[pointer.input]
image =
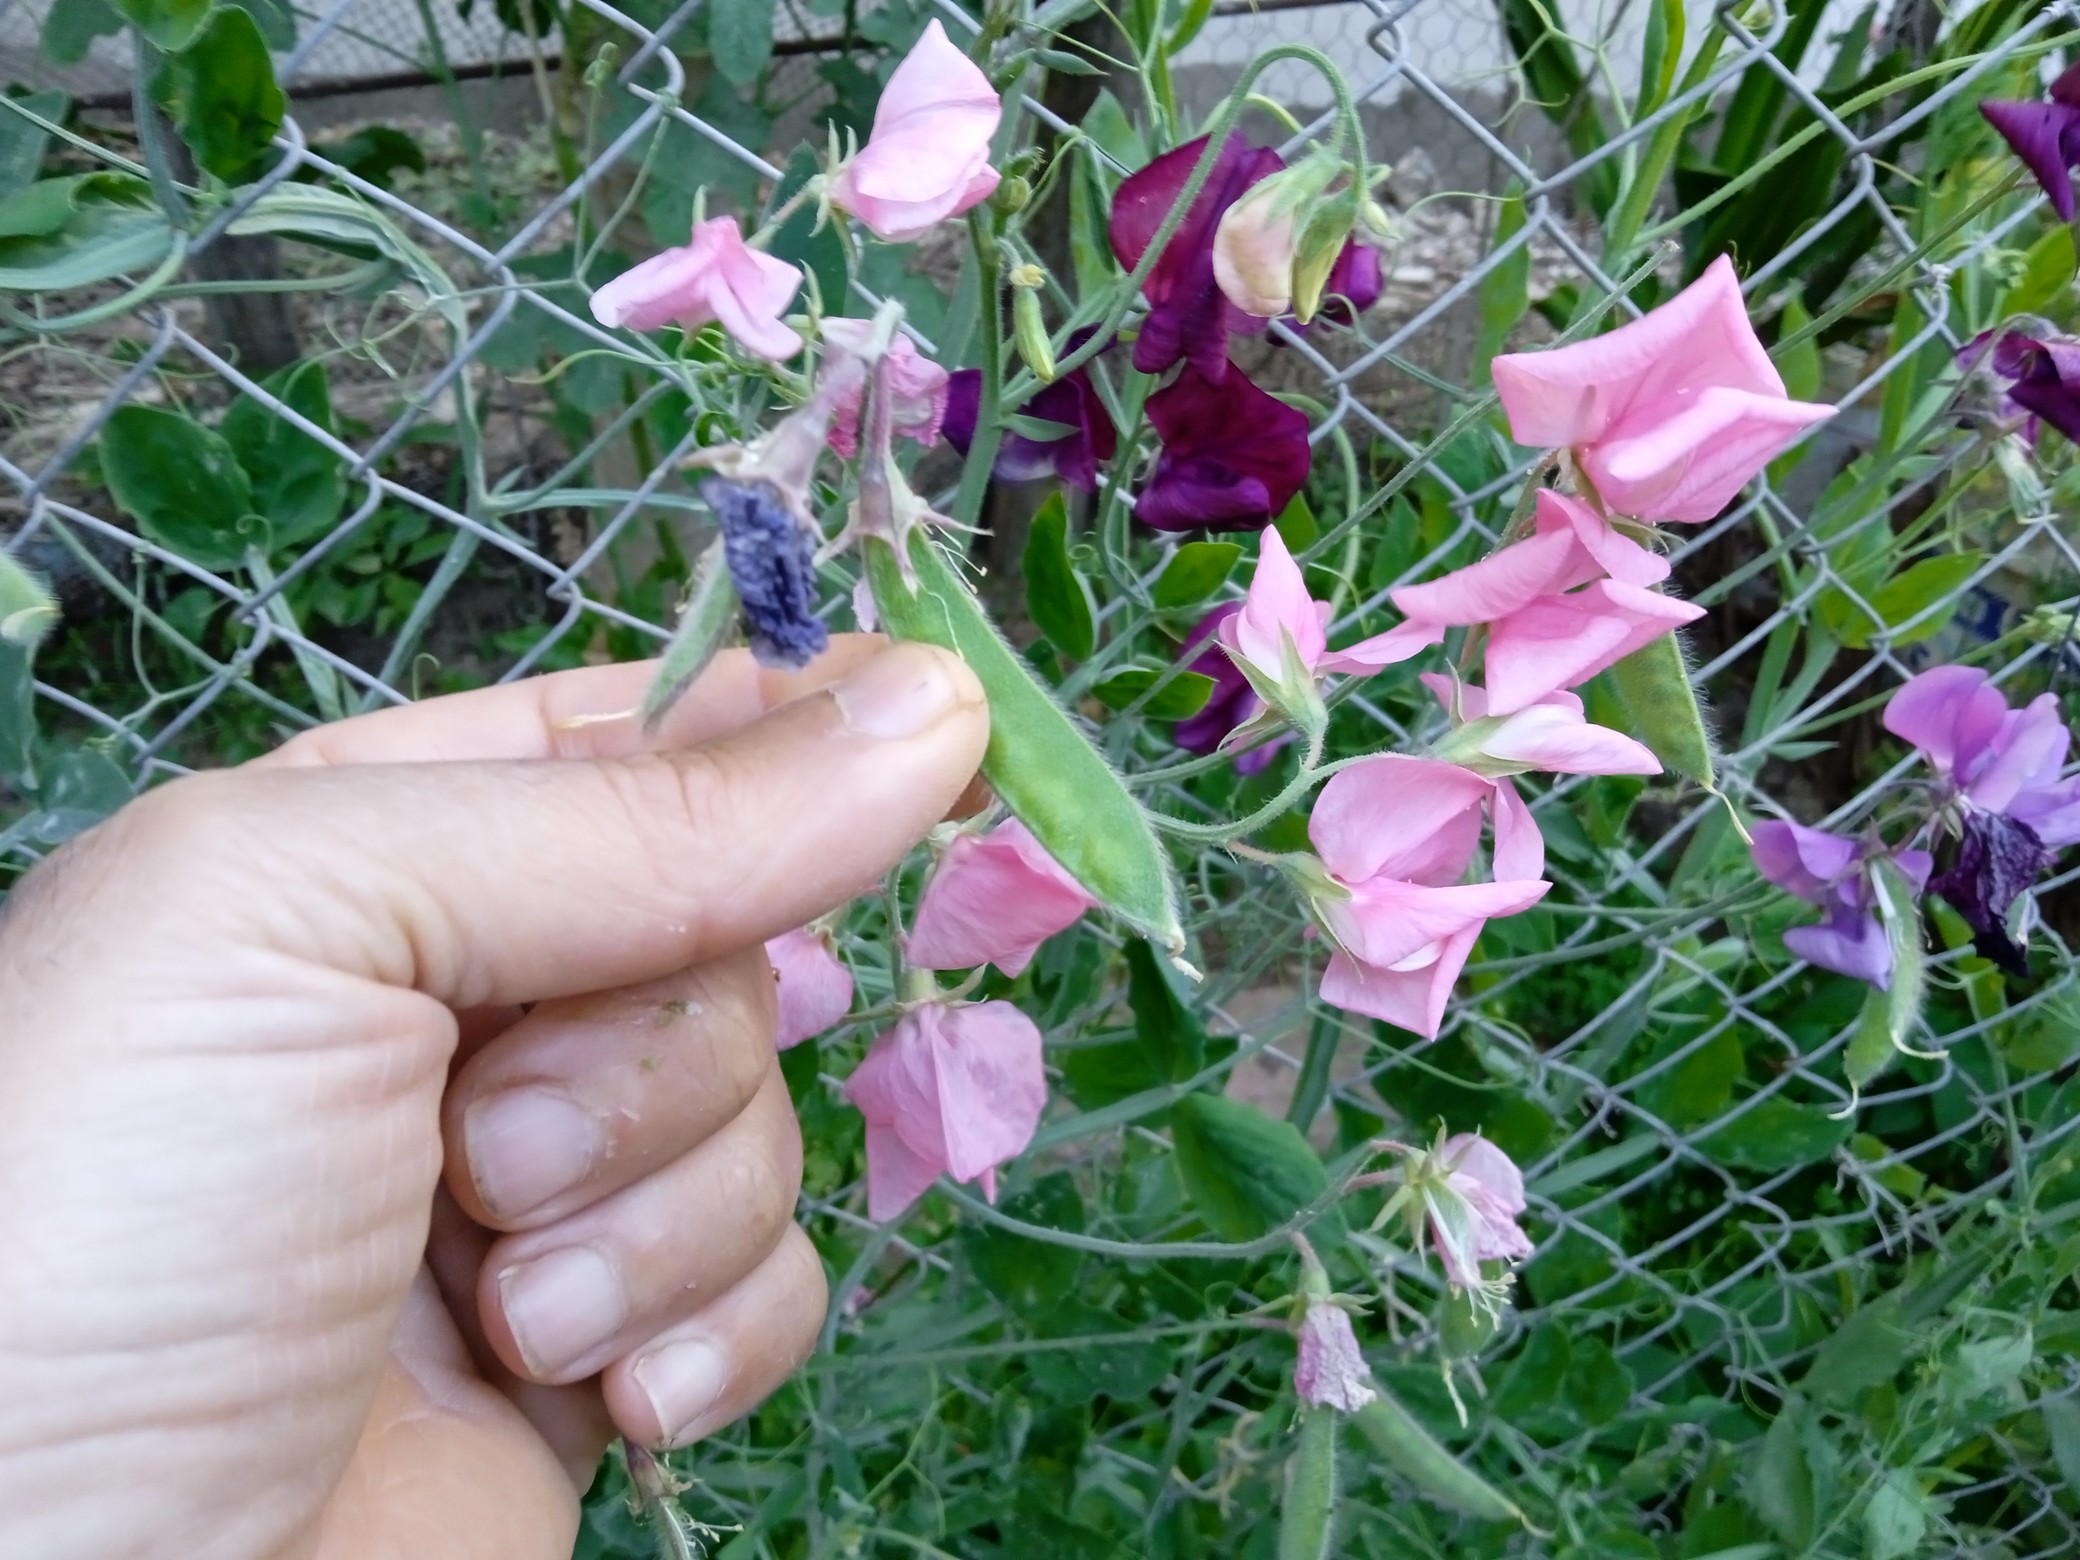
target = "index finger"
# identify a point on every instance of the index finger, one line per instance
(586, 713)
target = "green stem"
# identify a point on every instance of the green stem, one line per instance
(989, 424)
(1220, 833)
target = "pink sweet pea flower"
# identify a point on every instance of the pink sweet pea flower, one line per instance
(951, 1090)
(1993, 759)
(916, 385)
(928, 157)
(1552, 735)
(1395, 836)
(1473, 1205)
(1669, 415)
(1545, 634)
(992, 899)
(715, 276)
(1231, 704)
(1331, 1371)
(815, 987)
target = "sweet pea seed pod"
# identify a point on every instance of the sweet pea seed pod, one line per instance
(1029, 330)
(1053, 780)
(1654, 682)
(1418, 1457)
(705, 621)
(27, 612)
(1011, 195)
(1310, 1501)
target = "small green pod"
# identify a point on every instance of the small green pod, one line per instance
(1309, 1512)
(1029, 331)
(705, 621)
(1654, 682)
(1056, 783)
(1419, 1457)
(27, 612)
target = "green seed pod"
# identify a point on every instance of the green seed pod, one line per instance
(1418, 1457)
(1655, 684)
(1029, 330)
(1310, 1502)
(1056, 783)
(26, 609)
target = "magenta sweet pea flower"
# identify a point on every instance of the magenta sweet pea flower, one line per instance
(815, 988)
(1553, 735)
(1395, 836)
(1232, 456)
(928, 156)
(2041, 374)
(1188, 316)
(2046, 136)
(1233, 702)
(1834, 873)
(952, 1090)
(1331, 1371)
(1670, 415)
(714, 276)
(992, 899)
(916, 385)
(1560, 606)
(1073, 458)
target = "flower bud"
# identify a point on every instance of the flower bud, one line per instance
(1259, 238)
(1028, 329)
(1012, 195)
(1321, 243)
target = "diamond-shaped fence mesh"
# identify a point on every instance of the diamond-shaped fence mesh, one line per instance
(1709, 1200)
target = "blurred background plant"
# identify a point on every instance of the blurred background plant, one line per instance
(304, 413)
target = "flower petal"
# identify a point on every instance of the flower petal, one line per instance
(815, 987)
(2037, 133)
(1806, 862)
(1277, 607)
(1415, 819)
(992, 899)
(1950, 713)
(1685, 460)
(1559, 641)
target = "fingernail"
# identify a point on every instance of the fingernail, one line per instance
(905, 690)
(526, 1146)
(561, 1307)
(682, 1381)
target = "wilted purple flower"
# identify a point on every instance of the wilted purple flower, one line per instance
(1990, 757)
(1188, 315)
(1331, 1371)
(1073, 458)
(1833, 872)
(1464, 1195)
(772, 563)
(1232, 703)
(2042, 374)
(1232, 456)
(2046, 136)
(1998, 859)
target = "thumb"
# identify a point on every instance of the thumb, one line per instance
(505, 882)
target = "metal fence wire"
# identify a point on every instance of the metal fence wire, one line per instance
(514, 499)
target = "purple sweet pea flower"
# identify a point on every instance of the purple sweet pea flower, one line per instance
(1232, 702)
(2046, 136)
(1833, 872)
(1188, 315)
(2042, 375)
(1998, 860)
(1232, 457)
(1072, 401)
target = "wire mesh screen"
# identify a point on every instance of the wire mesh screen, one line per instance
(1713, 1206)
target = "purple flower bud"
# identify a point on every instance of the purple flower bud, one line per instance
(772, 562)
(2042, 376)
(2046, 136)
(1998, 859)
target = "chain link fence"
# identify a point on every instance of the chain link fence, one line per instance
(1707, 1205)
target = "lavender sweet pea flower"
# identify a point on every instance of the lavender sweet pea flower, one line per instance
(1233, 702)
(2046, 136)
(1189, 317)
(1232, 457)
(1991, 758)
(1833, 872)
(2042, 376)
(1073, 401)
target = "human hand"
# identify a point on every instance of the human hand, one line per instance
(245, 1023)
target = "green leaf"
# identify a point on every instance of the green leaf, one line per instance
(1800, 365)
(706, 620)
(815, 247)
(1909, 594)
(22, 141)
(1195, 571)
(1661, 52)
(2047, 274)
(2062, 1424)
(17, 717)
(374, 153)
(1697, 1088)
(1654, 683)
(1896, 1520)
(1418, 1456)
(171, 24)
(182, 485)
(298, 484)
(1037, 761)
(1042, 430)
(71, 26)
(1988, 1364)
(222, 97)
(1032, 1277)
(277, 21)
(1246, 1173)
(27, 612)
(59, 234)
(1183, 696)
(1505, 290)
(740, 35)
(1168, 1031)
(1776, 1135)
(1107, 124)
(1296, 524)
(1057, 597)
(1866, 1349)
(1779, 1482)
